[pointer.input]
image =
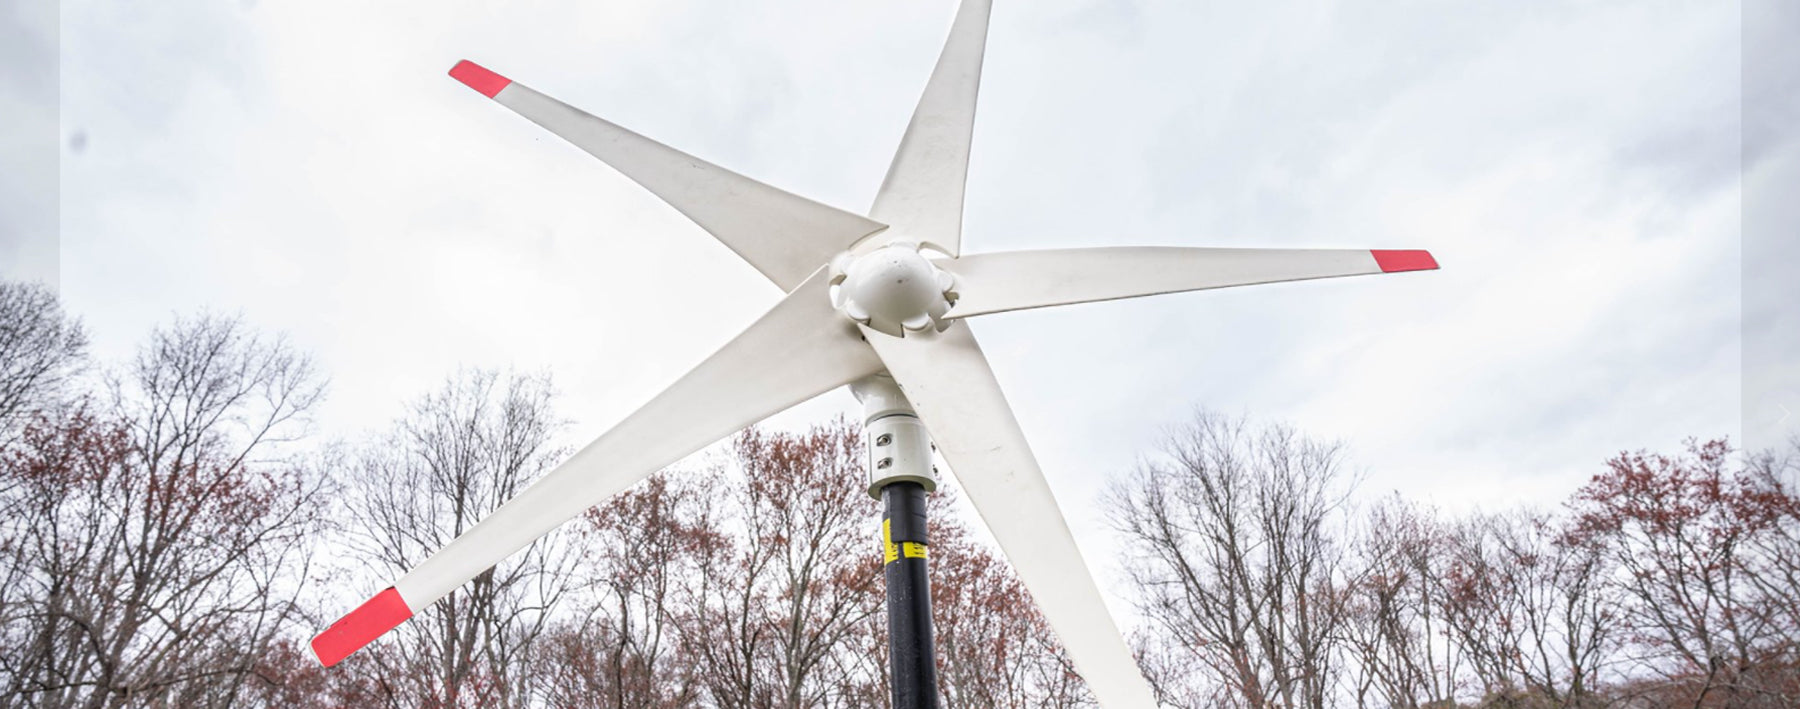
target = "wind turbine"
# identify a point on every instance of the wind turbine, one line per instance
(881, 302)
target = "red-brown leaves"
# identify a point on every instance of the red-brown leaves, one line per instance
(994, 648)
(1699, 542)
(154, 543)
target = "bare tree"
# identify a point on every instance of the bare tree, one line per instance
(1685, 531)
(459, 454)
(1571, 611)
(1395, 632)
(774, 588)
(1533, 605)
(159, 547)
(778, 612)
(994, 648)
(1233, 539)
(40, 348)
(641, 550)
(1484, 621)
(1774, 559)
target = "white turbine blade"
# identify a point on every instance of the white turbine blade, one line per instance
(999, 282)
(922, 195)
(798, 350)
(785, 236)
(947, 380)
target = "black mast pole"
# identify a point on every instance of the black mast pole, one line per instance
(904, 562)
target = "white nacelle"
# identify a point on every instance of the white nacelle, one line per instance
(893, 289)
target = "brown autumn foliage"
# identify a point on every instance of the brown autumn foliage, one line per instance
(1665, 581)
(1394, 610)
(994, 648)
(772, 622)
(1530, 608)
(758, 584)
(456, 455)
(641, 553)
(1698, 538)
(154, 547)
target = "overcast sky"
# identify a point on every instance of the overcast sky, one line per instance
(1574, 166)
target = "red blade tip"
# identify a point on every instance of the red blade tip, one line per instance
(360, 627)
(479, 78)
(1407, 260)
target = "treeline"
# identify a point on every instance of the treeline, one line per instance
(169, 538)
(171, 535)
(1665, 581)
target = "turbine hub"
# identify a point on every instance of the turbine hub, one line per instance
(893, 289)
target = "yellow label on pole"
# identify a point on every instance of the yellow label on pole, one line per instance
(890, 552)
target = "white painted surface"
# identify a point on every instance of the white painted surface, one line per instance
(1017, 280)
(922, 195)
(785, 236)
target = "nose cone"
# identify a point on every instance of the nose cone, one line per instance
(896, 282)
(894, 288)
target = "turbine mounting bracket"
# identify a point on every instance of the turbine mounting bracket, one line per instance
(899, 448)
